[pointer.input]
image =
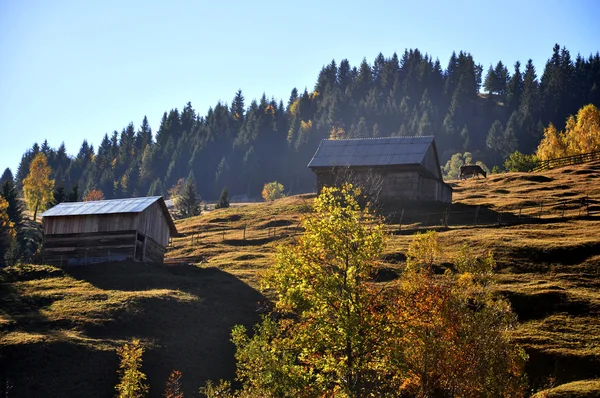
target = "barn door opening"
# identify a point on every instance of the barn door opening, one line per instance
(139, 247)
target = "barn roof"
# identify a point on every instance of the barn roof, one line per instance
(387, 151)
(112, 206)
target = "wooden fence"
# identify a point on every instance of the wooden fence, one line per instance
(531, 211)
(567, 160)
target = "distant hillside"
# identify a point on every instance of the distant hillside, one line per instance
(243, 144)
(59, 328)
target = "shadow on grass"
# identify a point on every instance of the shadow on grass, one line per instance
(183, 314)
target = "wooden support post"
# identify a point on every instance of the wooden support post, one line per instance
(244, 231)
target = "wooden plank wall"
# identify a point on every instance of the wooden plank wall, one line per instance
(401, 183)
(90, 223)
(153, 252)
(151, 222)
(89, 247)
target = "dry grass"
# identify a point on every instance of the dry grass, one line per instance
(549, 270)
(60, 328)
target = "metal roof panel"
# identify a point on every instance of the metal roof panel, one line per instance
(385, 151)
(113, 206)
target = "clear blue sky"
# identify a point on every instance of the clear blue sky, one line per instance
(74, 70)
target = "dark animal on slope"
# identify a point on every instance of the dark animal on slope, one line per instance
(472, 169)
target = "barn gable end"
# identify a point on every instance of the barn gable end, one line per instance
(136, 229)
(401, 168)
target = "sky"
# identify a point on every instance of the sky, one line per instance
(75, 70)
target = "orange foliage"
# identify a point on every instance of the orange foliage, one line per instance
(173, 389)
(93, 194)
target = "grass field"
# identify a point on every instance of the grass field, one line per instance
(59, 328)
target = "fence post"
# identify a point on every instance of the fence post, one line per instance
(223, 234)
(401, 217)
(587, 204)
(541, 207)
(476, 215)
(244, 231)
(520, 209)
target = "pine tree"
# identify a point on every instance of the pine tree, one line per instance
(14, 209)
(7, 176)
(73, 195)
(223, 202)
(514, 89)
(491, 81)
(188, 203)
(494, 140)
(502, 78)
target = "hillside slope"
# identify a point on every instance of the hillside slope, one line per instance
(59, 328)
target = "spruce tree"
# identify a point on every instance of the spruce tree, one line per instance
(7, 176)
(223, 200)
(514, 89)
(14, 210)
(188, 202)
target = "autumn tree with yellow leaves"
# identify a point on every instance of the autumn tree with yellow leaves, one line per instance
(581, 135)
(7, 230)
(336, 332)
(272, 191)
(37, 186)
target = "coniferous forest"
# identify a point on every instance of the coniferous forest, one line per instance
(241, 146)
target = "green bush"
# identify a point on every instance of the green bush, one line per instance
(520, 162)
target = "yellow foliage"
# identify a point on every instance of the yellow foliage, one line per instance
(6, 226)
(305, 127)
(337, 133)
(294, 107)
(270, 110)
(581, 135)
(423, 251)
(553, 144)
(37, 186)
(131, 384)
(272, 190)
(313, 95)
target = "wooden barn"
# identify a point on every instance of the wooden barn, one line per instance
(137, 229)
(394, 168)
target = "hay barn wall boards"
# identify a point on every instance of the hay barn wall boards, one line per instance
(396, 168)
(137, 229)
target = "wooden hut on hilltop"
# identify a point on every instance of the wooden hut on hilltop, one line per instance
(137, 229)
(395, 168)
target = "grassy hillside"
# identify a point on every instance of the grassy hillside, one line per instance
(59, 328)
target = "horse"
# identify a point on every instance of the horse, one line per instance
(472, 169)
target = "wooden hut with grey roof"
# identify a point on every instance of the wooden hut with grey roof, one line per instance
(137, 229)
(393, 168)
